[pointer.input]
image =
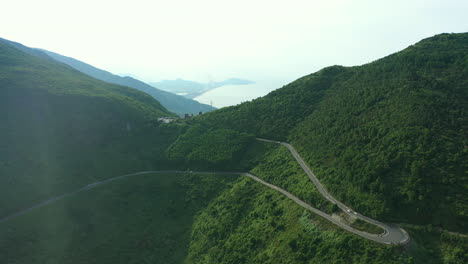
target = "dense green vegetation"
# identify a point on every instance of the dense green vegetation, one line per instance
(140, 219)
(61, 129)
(394, 132)
(279, 167)
(431, 246)
(201, 148)
(250, 223)
(365, 226)
(388, 137)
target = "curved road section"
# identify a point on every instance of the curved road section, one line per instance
(392, 233)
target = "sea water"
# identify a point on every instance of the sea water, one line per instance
(228, 95)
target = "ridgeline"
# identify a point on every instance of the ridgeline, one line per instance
(389, 138)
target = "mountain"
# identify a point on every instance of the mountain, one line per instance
(387, 138)
(60, 128)
(172, 102)
(233, 81)
(191, 89)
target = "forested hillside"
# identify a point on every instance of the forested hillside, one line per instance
(388, 137)
(141, 219)
(61, 129)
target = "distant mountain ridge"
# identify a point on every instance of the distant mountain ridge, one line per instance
(191, 89)
(388, 138)
(172, 102)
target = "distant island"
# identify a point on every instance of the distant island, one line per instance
(191, 89)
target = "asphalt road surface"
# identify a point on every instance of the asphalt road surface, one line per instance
(393, 234)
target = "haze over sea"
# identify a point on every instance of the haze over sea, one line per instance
(228, 95)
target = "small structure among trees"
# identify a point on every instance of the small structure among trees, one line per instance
(166, 120)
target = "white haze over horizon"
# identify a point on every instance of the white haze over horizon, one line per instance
(266, 41)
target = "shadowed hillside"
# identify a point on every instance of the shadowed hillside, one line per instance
(61, 129)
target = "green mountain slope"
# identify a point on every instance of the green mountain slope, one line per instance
(262, 226)
(141, 219)
(175, 103)
(61, 129)
(250, 223)
(388, 137)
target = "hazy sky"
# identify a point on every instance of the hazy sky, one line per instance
(214, 39)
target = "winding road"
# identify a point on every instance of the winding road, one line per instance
(393, 234)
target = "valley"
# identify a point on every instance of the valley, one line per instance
(369, 146)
